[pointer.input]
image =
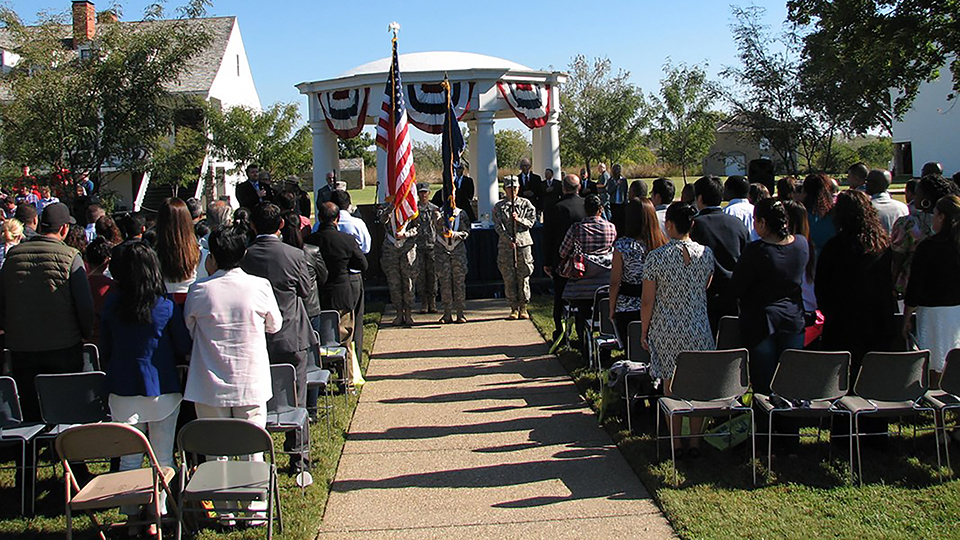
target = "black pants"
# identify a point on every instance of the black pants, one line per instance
(583, 317)
(622, 321)
(297, 443)
(358, 312)
(559, 284)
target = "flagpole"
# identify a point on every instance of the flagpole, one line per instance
(392, 141)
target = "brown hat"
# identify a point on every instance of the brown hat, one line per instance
(55, 216)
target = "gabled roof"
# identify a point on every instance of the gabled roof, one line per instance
(198, 77)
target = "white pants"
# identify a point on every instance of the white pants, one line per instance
(162, 435)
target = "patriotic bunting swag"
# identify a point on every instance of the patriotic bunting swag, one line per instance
(428, 103)
(530, 102)
(345, 110)
(393, 135)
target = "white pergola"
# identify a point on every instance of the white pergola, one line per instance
(486, 105)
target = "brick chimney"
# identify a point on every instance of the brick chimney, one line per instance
(84, 22)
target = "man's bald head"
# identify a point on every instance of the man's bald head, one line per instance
(878, 181)
(571, 183)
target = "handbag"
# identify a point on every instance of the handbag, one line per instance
(574, 266)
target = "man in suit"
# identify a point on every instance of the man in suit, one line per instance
(464, 196)
(617, 197)
(342, 255)
(325, 192)
(568, 210)
(530, 183)
(255, 189)
(550, 192)
(286, 268)
(726, 235)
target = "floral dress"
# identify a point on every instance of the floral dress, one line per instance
(633, 253)
(679, 321)
(906, 233)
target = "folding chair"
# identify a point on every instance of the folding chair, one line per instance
(228, 481)
(13, 430)
(318, 379)
(135, 487)
(593, 326)
(67, 400)
(635, 353)
(807, 384)
(331, 351)
(889, 384)
(91, 357)
(283, 412)
(606, 338)
(707, 384)
(947, 397)
(728, 333)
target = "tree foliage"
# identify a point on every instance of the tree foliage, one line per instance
(857, 51)
(176, 161)
(270, 138)
(603, 114)
(427, 156)
(102, 105)
(684, 125)
(360, 146)
(511, 146)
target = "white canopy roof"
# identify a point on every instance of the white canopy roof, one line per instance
(436, 61)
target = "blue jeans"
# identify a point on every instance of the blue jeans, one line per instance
(765, 356)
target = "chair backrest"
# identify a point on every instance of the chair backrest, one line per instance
(224, 437)
(10, 414)
(635, 351)
(102, 441)
(73, 398)
(284, 380)
(91, 357)
(711, 375)
(893, 376)
(950, 380)
(728, 333)
(607, 327)
(812, 375)
(598, 295)
(330, 328)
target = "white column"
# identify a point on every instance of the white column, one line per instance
(550, 138)
(381, 174)
(326, 153)
(485, 170)
(472, 145)
(536, 152)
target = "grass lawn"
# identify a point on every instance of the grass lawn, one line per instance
(302, 511)
(809, 495)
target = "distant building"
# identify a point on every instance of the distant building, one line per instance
(735, 147)
(930, 130)
(219, 74)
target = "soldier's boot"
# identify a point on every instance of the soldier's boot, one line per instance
(398, 320)
(447, 318)
(523, 312)
(408, 317)
(432, 306)
(513, 314)
(423, 308)
(460, 318)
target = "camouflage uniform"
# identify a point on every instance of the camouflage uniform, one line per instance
(426, 265)
(515, 263)
(398, 260)
(451, 257)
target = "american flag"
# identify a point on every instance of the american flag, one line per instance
(393, 136)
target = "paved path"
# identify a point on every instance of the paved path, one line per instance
(473, 431)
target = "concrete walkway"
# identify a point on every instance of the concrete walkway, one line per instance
(473, 431)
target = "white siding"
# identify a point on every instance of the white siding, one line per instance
(932, 126)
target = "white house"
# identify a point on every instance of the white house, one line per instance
(930, 130)
(220, 74)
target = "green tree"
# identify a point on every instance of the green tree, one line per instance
(860, 50)
(176, 161)
(876, 152)
(684, 125)
(360, 146)
(103, 104)
(270, 138)
(603, 115)
(511, 146)
(427, 156)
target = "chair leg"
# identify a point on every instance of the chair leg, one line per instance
(69, 522)
(626, 397)
(937, 444)
(673, 451)
(769, 446)
(276, 494)
(23, 477)
(656, 433)
(270, 503)
(856, 433)
(946, 439)
(850, 443)
(753, 447)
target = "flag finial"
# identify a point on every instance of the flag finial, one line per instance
(394, 27)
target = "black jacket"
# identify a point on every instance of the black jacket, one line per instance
(248, 197)
(341, 253)
(463, 198)
(286, 268)
(726, 236)
(559, 218)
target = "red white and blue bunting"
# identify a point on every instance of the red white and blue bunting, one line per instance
(529, 101)
(427, 104)
(345, 110)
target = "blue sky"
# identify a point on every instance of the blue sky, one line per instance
(291, 41)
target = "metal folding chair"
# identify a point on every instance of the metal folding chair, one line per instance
(635, 353)
(284, 414)
(332, 353)
(14, 431)
(947, 397)
(728, 333)
(318, 379)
